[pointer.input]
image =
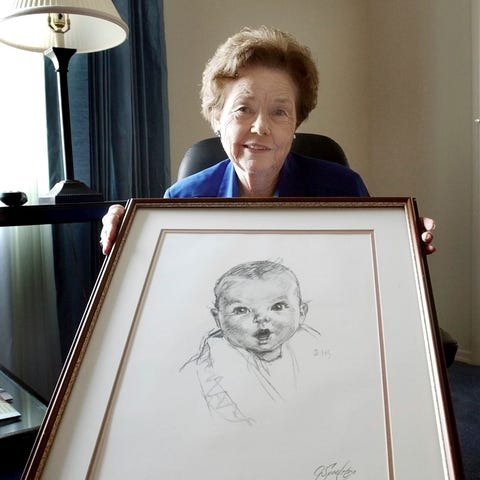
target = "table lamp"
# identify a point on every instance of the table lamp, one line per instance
(59, 29)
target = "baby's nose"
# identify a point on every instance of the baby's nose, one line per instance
(261, 318)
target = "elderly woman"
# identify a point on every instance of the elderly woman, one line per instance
(257, 89)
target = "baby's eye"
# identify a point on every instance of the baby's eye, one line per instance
(240, 310)
(279, 306)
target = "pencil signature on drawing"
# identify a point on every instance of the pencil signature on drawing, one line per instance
(334, 471)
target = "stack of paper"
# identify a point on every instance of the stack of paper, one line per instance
(7, 411)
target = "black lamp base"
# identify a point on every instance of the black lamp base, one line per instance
(70, 191)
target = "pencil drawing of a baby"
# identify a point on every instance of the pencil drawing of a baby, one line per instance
(256, 352)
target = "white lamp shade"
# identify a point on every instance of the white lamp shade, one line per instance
(94, 25)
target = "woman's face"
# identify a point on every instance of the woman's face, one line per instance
(258, 121)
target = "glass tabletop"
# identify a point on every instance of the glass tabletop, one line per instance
(32, 410)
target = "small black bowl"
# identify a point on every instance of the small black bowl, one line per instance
(13, 199)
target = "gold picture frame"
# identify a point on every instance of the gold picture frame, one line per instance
(370, 400)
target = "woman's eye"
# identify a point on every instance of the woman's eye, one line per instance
(240, 310)
(242, 109)
(279, 306)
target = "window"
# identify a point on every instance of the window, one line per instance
(29, 344)
(23, 145)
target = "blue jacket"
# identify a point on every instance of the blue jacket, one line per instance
(300, 177)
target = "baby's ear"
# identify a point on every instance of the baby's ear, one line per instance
(303, 310)
(214, 312)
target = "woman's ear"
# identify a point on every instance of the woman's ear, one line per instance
(215, 120)
(216, 126)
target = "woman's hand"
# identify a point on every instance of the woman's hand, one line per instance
(111, 222)
(428, 226)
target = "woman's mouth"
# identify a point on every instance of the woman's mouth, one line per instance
(257, 148)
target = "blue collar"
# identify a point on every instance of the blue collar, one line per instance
(229, 186)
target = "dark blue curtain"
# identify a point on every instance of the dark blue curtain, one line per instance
(128, 101)
(119, 118)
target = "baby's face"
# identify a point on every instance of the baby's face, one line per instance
(260, 314)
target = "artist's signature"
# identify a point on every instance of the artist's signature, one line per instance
(334, 471)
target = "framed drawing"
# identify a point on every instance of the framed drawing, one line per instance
(268, 339)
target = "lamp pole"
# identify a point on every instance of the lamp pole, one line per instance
(68, 190)
(61, 58)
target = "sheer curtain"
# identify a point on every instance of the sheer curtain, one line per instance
(29, 342)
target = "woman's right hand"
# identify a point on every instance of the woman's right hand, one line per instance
(111, 222)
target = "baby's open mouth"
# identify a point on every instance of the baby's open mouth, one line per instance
(263, 335)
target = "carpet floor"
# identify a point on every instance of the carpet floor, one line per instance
(464, 382)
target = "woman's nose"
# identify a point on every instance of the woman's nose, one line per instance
(261, 125)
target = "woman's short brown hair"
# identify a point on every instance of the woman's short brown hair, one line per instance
(264, 46)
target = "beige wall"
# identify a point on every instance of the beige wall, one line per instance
(421, 134)
(395, 93)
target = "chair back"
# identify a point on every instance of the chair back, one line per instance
(208, 152)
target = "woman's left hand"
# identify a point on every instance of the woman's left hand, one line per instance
(428, 226)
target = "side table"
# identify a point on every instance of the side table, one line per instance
(17, 437)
